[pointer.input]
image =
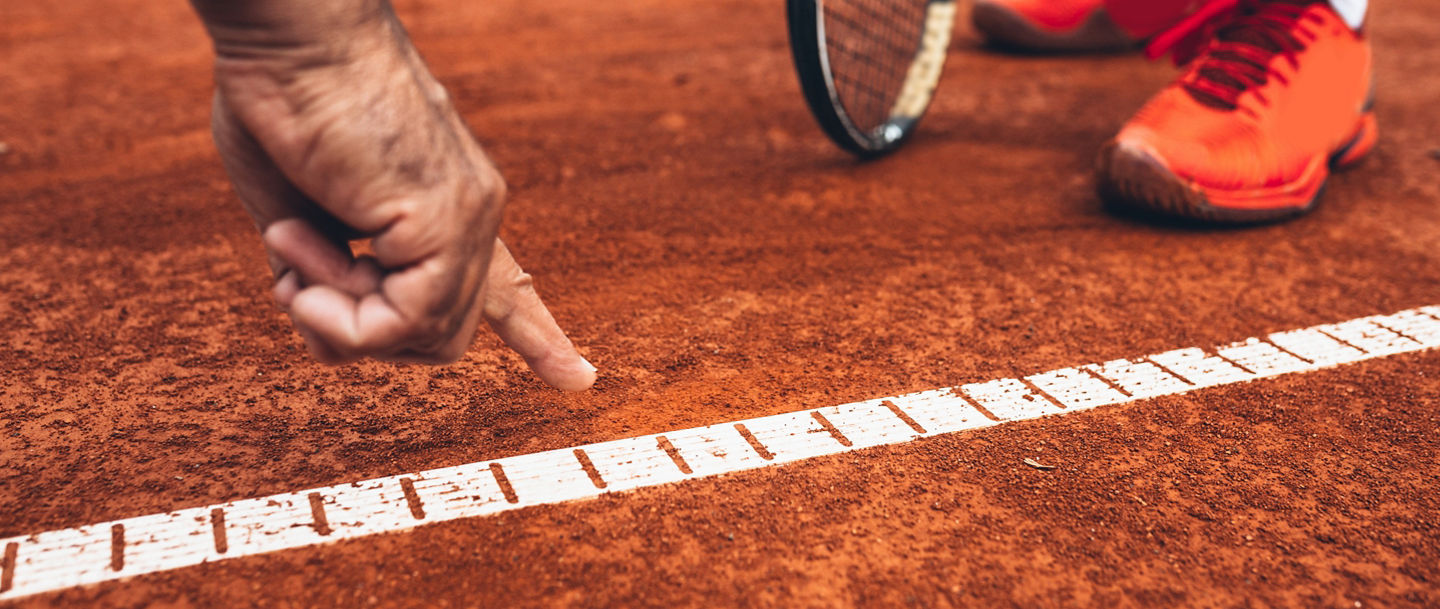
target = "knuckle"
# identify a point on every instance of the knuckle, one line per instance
(436, 94)
(485, 177)
(514, 291)
(480, 196)
(498, 187)
(509, 294)
(522, 282)
(493, 189)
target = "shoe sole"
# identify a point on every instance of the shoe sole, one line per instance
(1131, 177)
(1005, 28)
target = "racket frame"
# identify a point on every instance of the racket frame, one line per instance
(806, 20)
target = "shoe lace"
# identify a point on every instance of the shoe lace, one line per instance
(1233, 43)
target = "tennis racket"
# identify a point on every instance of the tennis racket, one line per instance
(868, 68)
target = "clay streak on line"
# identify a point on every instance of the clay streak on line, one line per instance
(984, 412)
(1282, 349)
(7, 575)
(903, 416)
(504, 483)
(665, 445)
(66, 558)
(117, 546)
(1030, 384)
(1237, 364)
(754, 442)
(830, 428)
(1113, 385)
(317, 514)
(217, 529)
(589, 467)
(412, 499)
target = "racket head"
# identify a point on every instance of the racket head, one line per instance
(868, 68)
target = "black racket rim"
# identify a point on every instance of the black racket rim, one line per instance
(808, 49)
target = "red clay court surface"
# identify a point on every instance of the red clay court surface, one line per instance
(719, 260)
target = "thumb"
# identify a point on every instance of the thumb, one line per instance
(514, 311)
(320, 260)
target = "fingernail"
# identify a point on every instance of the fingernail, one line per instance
(587, 363)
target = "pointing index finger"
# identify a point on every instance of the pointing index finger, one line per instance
(515, 312)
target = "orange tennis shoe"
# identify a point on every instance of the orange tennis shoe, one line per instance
(1274, 95)
(1049, 25)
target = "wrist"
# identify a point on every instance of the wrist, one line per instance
(298, 34)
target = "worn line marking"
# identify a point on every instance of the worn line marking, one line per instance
(1090, 370)
(1289, 352)
(1172, 373)
(1138, 378)
(1233, 362)
(66, 558)
(1029, 384)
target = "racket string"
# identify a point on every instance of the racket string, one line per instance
(871, 44)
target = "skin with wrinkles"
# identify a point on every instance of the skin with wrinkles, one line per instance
(332, 130)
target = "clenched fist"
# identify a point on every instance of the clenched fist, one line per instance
(332, 130)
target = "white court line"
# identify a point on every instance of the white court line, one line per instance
(66, 558)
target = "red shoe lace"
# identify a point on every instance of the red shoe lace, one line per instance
(1234, 42)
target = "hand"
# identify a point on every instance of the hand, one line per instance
(332, 129)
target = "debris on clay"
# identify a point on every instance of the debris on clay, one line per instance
(1038, 465)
